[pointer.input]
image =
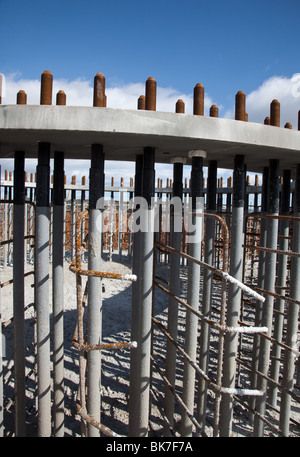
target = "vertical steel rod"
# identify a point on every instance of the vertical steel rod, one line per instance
(82, 208)
(2, 353)
(73, 217)
(1, 340)
(146, 284)
(9, 223)
(260, 283)
(207, 290)
(42, 289)
(58, 293)
(280, 283)
(191, 333)
(292, 321)
(19, 292)
(94, 314)
(234, 294)
(270, 277)
(120, 227)
(134, 397)
(175, 240)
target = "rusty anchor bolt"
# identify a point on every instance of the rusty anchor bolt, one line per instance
(21, 97)
(141, 102)
(180, 106)
(46, 88)
(150, 103)
(214, 111)
(99, 91)
(275, 113)
(198, 100)
(240, 106)
(61, 98)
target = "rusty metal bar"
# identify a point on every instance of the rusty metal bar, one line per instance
(212, 384)
(46, 88)
(99, 99)
(198, 107)
(222, 328)
(104, 346)
(94, 423)
(150, 94)
(176, 397)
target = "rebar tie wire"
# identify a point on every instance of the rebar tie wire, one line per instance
(82, 347)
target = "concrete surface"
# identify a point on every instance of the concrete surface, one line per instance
(124, 133)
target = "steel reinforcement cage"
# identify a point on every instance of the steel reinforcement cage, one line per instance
(230, 329)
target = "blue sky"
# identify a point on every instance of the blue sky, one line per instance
(232, 45)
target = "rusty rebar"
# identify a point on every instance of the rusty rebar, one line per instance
(198, 107)
(21, 97)
(141, 105)
(275, 113)
(104, 346)
(78, 342)
(107, 431)
(150, 101)
(99, 91)
(240, 106)
(46, 88)
(177, 397)
(61, 98)
(214, 111)
(180, 106)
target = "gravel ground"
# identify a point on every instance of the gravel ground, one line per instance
(115, 365)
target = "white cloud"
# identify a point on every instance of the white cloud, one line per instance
(280, 88)
(80, 93)
(285, 90)
(124, 96)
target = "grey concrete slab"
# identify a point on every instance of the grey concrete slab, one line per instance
(124, 133)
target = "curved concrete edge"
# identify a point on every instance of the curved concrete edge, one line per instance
(123, 133)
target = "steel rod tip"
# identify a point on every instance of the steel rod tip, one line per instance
(141, 102)
(214, 111)
(198, 107)
(240, 106)
(61, 98)
(275, 113)
(180, 106)
(21, 97)
(150, 103)
(46, 88)
(99, 91)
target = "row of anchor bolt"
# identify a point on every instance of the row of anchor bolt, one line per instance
(148, 101)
